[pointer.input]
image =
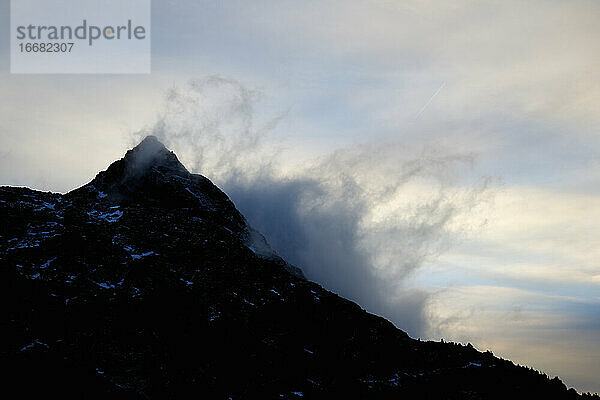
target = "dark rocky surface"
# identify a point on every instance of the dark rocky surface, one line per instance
(147, 283)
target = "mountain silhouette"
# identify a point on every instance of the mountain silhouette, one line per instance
(148, 283)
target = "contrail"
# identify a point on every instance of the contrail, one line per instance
(430, 100)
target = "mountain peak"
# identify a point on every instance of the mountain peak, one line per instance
(149, 172)
(149, 153)
(148, 162)
(151, 175)
(150, 144)
(150, 139)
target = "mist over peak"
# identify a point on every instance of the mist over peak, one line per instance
(150, 145)
(360, 220)
(150, 152)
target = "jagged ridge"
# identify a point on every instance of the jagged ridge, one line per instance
(142, 284)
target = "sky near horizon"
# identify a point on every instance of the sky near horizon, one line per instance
(455, 144)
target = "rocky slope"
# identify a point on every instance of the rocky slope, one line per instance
(147, 283)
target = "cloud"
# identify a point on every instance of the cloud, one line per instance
(359, 220)
(540, 237)
(487, 52)
(555, 334)
(526, 287)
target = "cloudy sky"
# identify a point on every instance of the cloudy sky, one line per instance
(436, 161)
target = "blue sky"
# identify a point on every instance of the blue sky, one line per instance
(464, 90)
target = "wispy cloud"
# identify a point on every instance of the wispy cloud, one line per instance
(353, 220)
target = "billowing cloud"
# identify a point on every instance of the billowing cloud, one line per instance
(359, 220)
